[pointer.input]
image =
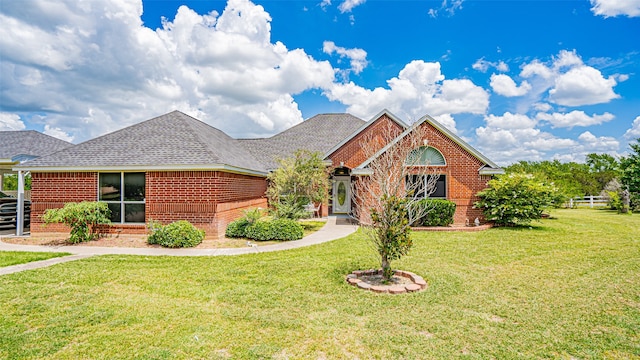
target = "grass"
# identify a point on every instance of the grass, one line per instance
(566, 288)
(8, 258)
(311, 226)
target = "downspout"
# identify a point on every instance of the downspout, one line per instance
(20, 205)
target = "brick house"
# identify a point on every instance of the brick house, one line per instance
(176, 167)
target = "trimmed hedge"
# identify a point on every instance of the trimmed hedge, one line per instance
(177, 234)
(264, 230)
(439, 213)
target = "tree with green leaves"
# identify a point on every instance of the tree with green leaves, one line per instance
(515, 199)
(630, 178)
(299, 180)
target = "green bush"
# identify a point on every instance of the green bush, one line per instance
(436, 212)
(177, 234)
(84, 218)
(236, 229)
(515, 199)
(290, 207)
(277, 229)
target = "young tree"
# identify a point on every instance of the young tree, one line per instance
(385, 200)
(300, 179)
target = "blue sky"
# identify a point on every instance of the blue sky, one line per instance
(519, 80)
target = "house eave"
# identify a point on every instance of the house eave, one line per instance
(491, 171)
(140, 168)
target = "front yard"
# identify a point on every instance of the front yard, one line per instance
(567, 288)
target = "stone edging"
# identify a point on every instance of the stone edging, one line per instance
(417, 282)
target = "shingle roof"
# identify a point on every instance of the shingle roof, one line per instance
(319, 133)
(30, 143)
(173, 139)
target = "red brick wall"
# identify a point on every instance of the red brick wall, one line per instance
(207, 199)
(53, 190)
(351, 152)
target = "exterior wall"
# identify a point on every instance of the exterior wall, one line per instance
(53, 190)
(351, 153)
(463, 178)
(207, 199)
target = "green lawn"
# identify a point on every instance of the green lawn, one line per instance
(569, 288)
(8, 258)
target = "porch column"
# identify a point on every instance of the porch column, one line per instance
(1, 180)
(20, 205)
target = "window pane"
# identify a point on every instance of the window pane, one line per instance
(415, 186)
(441, 187)
(110, 187)
(115, 212)
(134, 187)
(134, 213)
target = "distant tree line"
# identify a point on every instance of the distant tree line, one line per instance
(600, 174)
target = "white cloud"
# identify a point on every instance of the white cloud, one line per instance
(419, 89)
(569, 82)
(542, 106)
(574, 118)
(510, 121)
(92, 67)
(503, 84)
(591, 143)
(324, 4)
(357, 57)
(582, 85)
(483, 65)
(448, 6)
(348, 5)
(57, 133)
(612, 8)
(9, 122)
(632, 133)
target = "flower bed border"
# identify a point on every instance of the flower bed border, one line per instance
(417, 282)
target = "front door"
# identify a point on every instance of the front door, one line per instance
(341, 194)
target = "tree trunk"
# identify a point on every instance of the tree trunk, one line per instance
(387, 273)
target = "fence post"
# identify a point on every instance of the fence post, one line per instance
(591, 201)
(571, 203)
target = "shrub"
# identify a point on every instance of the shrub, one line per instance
(515, 199)
(290, 207)
(277, 229)
(83, 218)
(236, 229)
(177, 234)
(439, 213)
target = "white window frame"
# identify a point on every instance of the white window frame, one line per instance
(424, 181)
(122, 202)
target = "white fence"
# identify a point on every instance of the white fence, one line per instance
(590, 201)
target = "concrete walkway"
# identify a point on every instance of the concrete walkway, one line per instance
(335, 228)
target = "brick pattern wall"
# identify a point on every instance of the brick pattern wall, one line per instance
(207, 199)
(351, 152)
(53, 190)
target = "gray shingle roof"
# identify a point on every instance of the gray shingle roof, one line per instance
(173, 139)
(319, 133)
(30, 143)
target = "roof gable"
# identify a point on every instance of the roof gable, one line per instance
(489, 167)
(362, 128)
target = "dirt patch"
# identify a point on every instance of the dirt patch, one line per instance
(129, 241)
(401, 282)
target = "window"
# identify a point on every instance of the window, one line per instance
(124, 193)
(418, 183)
(426, 156)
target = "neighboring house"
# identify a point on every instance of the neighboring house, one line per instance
(176, 167)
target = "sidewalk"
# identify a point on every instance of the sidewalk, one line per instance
(332, 230)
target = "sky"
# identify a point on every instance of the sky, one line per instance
(517, 79)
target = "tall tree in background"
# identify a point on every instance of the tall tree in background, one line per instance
(385, 201)
(631, 174)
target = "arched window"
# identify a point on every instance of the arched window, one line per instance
(425, 155)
